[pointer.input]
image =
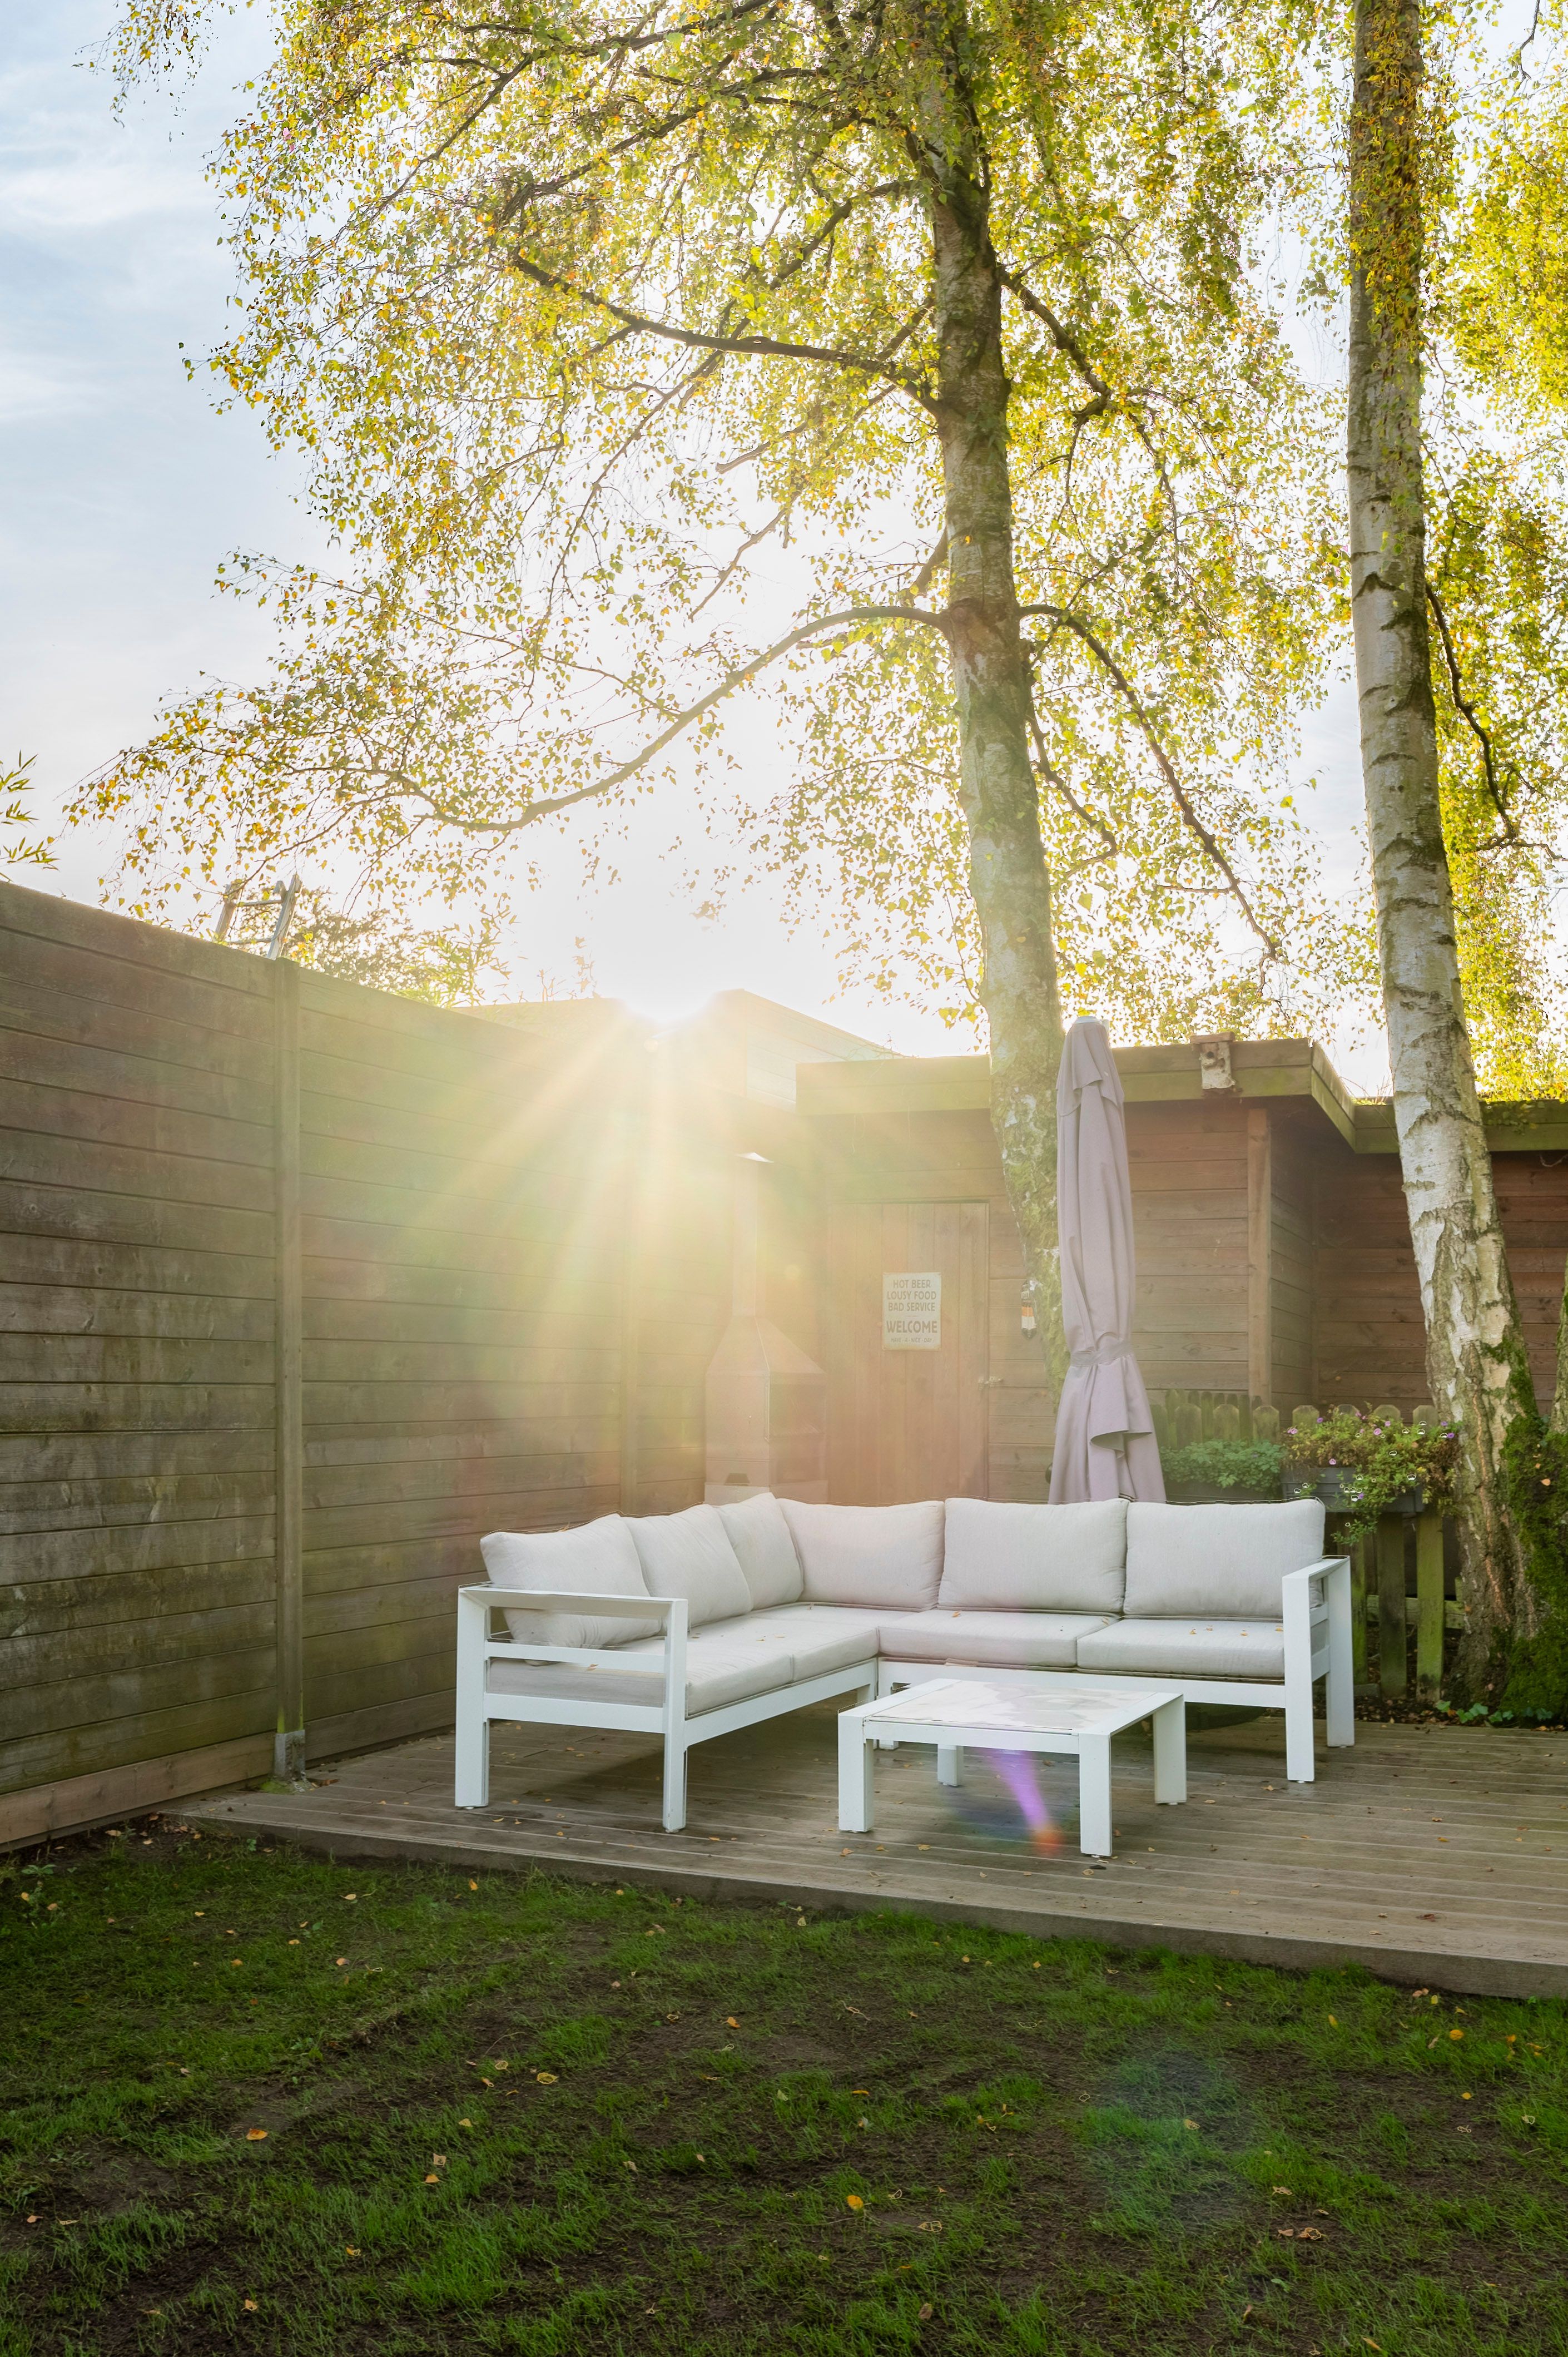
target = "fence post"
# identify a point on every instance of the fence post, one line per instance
(1359, 1612)
(1391, 1667)
(1429, 1603)
(288, 1744)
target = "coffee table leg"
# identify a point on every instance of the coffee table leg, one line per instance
(1094, 1795)
(857, 1791)
(1170, 1750)
(949, 1765)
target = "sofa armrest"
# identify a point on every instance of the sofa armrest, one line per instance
(476, 1646)
(1331, 1569)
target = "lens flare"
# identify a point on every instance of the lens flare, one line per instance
(1018, 1773)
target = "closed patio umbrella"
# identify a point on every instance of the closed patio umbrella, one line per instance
(1105, 1445)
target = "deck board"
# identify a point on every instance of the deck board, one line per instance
(1428, 1855)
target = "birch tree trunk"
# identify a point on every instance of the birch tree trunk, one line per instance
(997, 788)
(1477, 1366)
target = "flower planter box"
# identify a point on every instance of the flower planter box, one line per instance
(1337, 1486)
(1209, 1493)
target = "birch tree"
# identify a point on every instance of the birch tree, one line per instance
(1476, 1359)
(952, 313)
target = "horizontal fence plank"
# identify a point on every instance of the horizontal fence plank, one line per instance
(63, 1657)
(173, 1549)
(85, 1214)
(107, 1073)
(92, 1265)
(72, 1802)
(79, 1702)
(59, 1310)
(34, 1606)
(142, 1407)
(48, 1005)
(129, 1360)
(119, 1740)
(77, 1161)
(96, 1502)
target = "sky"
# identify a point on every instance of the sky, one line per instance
(122, 490)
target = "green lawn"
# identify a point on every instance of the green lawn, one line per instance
(250, 2100)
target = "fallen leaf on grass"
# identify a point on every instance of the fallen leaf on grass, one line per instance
(473, 1885)
(853, 2202)
(249, 2306)
(1281, 2188)
(1189, 2124)
(731, 2022)
(256, 2135)
(926, 2312)
(433, 2180)
(438, 2160)
(546, 2078)
(351, 2250)
(1455, 2033)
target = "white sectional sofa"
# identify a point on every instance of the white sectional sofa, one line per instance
(691, 1625)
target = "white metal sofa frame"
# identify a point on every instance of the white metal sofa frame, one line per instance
(1315, 1609)
(476, 1708)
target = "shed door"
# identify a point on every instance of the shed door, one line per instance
(907, 1423)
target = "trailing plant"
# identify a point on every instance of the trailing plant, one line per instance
(1226, 1464)
(1535, 1469)
(1380, 1459)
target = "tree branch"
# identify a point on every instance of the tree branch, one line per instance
(766, 347)
(694, 712)
(1080, 631)
(1466, 711)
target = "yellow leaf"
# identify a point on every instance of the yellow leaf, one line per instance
(546, 2078)
(732, 2021)
(473, 1885)
(1333, 2021)
(1455, 2033)
(250, 2307)
(433, 2180)
(853, 2202)
(256, 2135)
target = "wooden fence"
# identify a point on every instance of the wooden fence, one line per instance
(304, 1288)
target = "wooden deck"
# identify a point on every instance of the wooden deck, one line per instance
(1432, 1856)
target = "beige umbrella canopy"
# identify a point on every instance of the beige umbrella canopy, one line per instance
(1105, 1445)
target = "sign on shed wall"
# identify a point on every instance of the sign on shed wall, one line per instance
(911, 1310)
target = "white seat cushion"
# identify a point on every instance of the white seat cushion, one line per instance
(690, 1555)
(722, 1665)
(1220, 1562)
(1005, 1558)
(596, 1559)
(1192, 1648)
(1016, 1640)
(881, 1557)
(760, 1538)
(822, 1637)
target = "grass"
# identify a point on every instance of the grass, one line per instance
(251, 2101)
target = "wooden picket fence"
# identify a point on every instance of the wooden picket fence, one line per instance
(1397, 1574)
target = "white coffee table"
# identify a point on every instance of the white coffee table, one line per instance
(1044, 1711)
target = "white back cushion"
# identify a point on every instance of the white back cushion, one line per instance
(760, 1538)
(885, 1558)
(690, 1555)
(1225, 1561)
(1000, 1558)
(596, 1559)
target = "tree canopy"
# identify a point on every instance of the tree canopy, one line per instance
(611, 332)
